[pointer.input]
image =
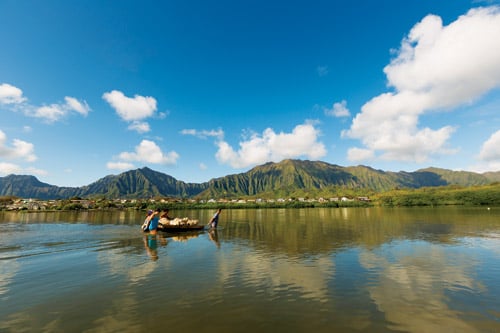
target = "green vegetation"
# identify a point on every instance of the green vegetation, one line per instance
(287, 184)
(447, 195)
(286, 179)
(429, 196)
(253, 205)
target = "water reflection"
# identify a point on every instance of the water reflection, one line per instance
(213, 234)
(321, 270)
(414, 286)
(151, 243)
(317, 230)
(8, 271)
(182, 237)
(272, 275)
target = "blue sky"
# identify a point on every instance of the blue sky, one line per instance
(203, 89)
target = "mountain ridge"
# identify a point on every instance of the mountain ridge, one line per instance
(285, 178)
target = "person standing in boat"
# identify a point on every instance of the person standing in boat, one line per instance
(215, 219)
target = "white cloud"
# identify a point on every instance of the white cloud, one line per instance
(436, 68)
(338, 110)
(9, 168)
(203, 166)
(133, 110)
(139, 126)
(485, 167)
(203, 134)
(35, 171)
(19, 150)
(10, 94)
(147, 151)
(55, 112)
(50, 113)
(359, 154)
(489, 156)
(74, 104)
(130, 109)
(490, 151)
(271, 146)
(119, 165)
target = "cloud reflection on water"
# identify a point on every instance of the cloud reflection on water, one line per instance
(412, 286)
(273, 274)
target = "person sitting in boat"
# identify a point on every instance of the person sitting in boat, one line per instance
(165, 215)
(165, 218)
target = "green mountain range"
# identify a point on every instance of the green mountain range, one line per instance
(286, 178)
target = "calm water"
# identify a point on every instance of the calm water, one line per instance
(270, 270)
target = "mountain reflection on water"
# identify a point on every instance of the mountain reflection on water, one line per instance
(299, 270)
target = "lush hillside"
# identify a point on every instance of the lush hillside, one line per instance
(289, 178)
(283, 178)
(31, 187)
(313, 178)
(463, 178)
(386, 180)
(492, 176)
(141, 183)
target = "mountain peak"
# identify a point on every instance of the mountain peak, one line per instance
(290, 176)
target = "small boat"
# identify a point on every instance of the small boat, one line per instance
(179, 228)
(175, 225)
(179, 225)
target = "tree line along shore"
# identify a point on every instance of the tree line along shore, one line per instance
(485, 195)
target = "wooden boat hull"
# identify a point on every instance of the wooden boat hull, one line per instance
(179, 228)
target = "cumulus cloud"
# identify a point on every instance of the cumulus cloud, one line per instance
(203, 134)
(10, 94)
(50, 113)
(10, 168)
(338, 110)
(119, 165)
(55, 112)
(147, 152)
(139, 126)
(18, 150)
(13, 96)
(489, 156)
(359, 154)
(132, 109)
(490, 151)
(436, 68)
(74, 104)
(272, 146)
